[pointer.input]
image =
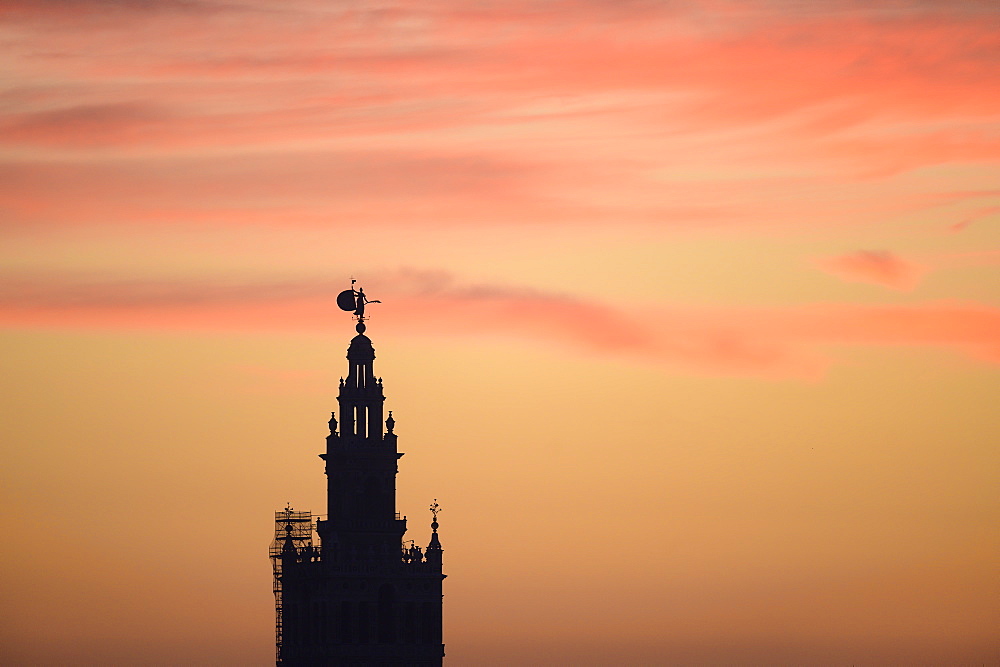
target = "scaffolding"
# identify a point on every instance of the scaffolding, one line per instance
(297, 527)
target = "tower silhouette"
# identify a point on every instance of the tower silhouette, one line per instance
(347, 590)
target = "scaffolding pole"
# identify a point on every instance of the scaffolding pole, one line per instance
(298, 528)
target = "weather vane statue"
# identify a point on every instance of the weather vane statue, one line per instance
(435, 510)
(355, 300)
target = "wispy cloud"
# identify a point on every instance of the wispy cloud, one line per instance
(764, 341)
(582, 112)
(877, 267)
(975, 216)
(746, 117)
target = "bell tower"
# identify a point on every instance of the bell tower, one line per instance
(347, 590)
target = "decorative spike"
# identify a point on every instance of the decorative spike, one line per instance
(435, 543)
(435, 508)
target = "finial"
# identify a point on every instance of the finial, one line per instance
(390, 423)
(333, 422)
(355, 300)
(435, 508)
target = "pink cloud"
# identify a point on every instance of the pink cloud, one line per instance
(324, 186)
(576, 112)
(732, 68)
(82, 126)
(876, 267)
(976, 215)
(767, 342)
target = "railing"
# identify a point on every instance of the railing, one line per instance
(407, 562)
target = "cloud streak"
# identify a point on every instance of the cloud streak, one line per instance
(876, 267)
(545, 108)
(757, 341)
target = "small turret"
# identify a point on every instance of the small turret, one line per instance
(434, 551)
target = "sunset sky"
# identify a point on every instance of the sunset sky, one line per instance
(689, 319)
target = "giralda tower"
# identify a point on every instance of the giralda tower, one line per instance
(348, 591)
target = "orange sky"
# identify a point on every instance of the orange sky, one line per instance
(689, 319)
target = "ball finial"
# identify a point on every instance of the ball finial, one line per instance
(360, 327)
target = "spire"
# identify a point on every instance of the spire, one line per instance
(387, 597)
(435, 544)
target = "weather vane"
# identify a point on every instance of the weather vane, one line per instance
(355, 300)
(435, 508)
